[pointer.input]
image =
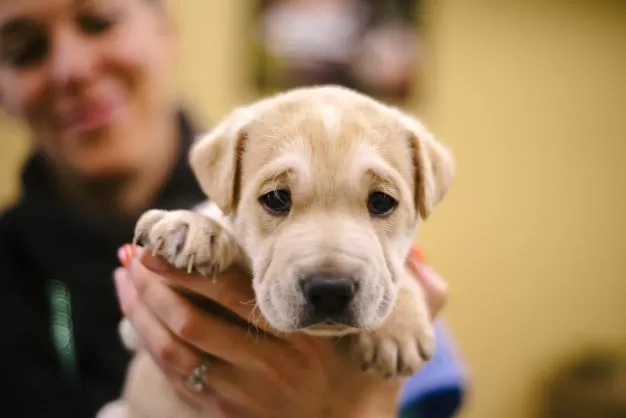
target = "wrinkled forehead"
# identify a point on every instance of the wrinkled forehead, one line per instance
(328, 132)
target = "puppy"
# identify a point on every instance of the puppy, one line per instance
(318, 191)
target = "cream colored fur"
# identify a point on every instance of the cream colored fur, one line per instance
(330, 147)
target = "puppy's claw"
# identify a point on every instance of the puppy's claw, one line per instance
(187, 240)
(190, 263)
(157, 247)
(207, 270)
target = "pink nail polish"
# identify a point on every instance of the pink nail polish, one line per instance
(126, 253)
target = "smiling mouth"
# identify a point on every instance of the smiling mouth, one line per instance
(92, 117)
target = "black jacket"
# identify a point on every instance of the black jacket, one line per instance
(60, 349)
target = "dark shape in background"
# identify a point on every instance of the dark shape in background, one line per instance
(368, 45)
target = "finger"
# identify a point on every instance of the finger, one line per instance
(231, 411)
(121, 288)
(205, 331)
(171, 354)
(417, 254)
(435, 288)
(230, 388)
(177, 373)
(232, 289)
(211, 400)
(126, 253)
(221, 393)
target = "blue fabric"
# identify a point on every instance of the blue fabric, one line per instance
(436, 391)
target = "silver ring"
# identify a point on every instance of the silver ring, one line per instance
(196, 379)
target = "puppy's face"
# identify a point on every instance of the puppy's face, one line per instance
(325, 188)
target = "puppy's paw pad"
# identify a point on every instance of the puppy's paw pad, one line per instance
(393, 355)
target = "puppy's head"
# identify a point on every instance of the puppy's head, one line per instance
(325, 187)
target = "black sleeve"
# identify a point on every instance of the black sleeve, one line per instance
(30, 384)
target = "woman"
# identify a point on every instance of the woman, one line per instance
(91, 80)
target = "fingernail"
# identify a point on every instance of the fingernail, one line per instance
(126, 253)
(423, 269)
(154, 263)
(418, 254)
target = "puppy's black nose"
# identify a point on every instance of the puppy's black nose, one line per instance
(328, 297)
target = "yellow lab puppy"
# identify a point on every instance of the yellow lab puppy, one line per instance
(319, 192)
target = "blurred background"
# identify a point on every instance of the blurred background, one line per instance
(531, 98)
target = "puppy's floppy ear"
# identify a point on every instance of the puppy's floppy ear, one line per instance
(434, 166)
(215, 159)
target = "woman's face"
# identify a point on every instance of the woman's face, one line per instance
(89, 77)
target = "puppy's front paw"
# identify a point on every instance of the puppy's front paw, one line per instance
(396, 351)
(187, 240)
(406, 339)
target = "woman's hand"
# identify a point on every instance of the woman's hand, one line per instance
(434, 286)
(254, 374)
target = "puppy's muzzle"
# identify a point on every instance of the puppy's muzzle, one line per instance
(328, 300)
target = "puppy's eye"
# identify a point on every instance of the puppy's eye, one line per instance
(380, 204)
(276, 202)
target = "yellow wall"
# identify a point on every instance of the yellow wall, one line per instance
(13, 147)
(532, 99)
